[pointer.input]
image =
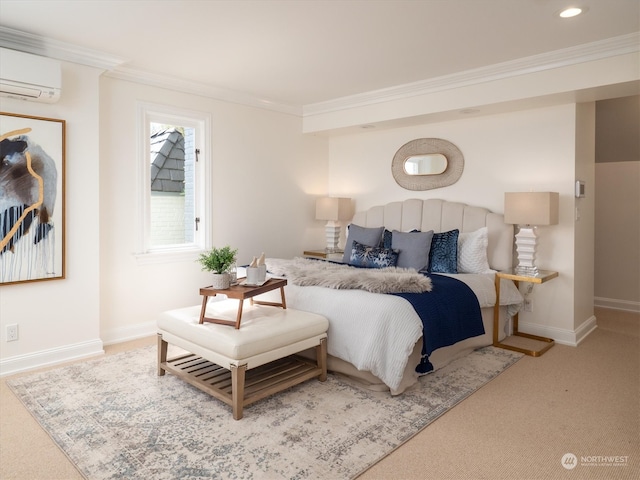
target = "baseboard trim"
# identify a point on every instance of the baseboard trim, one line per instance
(616, 304)
(48, 358)
(584, 330)
(560, 335)
(126, 334)
(68, 353)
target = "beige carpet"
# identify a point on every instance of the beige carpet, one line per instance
(583, 401)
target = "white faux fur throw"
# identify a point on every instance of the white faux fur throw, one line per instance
(306, 272)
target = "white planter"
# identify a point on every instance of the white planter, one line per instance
(221, 281)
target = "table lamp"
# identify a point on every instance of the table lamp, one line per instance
(529, 210)
(333, 210)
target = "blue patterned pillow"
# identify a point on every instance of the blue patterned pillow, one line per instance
(386, 239)
(372, 257)
(443, 256)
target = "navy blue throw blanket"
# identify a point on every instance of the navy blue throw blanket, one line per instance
(450, 312)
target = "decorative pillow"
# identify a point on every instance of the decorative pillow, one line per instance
(370, 237)
(443, 256)
(387, 236)
(472, 252)
(386, 239)
(413, 248)
(372, 257)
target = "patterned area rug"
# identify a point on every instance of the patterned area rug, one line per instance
(115, 418)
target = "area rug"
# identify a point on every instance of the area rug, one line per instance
(115, 418)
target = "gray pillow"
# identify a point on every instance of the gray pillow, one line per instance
(370, 237)
(413, 248)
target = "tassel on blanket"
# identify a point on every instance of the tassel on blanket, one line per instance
(425, 366)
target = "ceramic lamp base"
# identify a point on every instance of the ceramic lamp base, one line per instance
(332, 235)
(526, 245)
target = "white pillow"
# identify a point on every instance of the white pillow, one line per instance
(472, 252)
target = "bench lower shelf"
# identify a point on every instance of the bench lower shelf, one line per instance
(240, 387)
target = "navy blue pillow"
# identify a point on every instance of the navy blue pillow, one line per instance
(386, 239)
(372, 257)
(443, 256)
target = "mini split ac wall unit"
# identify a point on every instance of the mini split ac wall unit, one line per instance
(29, 77)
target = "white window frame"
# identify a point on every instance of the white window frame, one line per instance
(201, 122)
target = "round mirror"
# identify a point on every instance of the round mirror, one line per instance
(427, 163)
(433, 164)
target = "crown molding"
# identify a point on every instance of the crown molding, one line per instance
(198, 88)
(35, 44)
(29, 43)
(588, 52)
(115, 66)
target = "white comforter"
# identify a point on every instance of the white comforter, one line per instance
(377, 332)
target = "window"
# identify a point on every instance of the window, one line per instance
(173, 182)
(171, 205)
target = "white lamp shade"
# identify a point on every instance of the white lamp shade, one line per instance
(531, 208)
(333, 209)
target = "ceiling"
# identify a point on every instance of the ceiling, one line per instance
(297, 53)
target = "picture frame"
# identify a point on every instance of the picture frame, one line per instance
(32, 204)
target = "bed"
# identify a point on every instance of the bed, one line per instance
(379, 338)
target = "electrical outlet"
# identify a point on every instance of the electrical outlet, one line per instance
(12, 332)
(528, 305)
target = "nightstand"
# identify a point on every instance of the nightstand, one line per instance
(542, 277)
(323, 255)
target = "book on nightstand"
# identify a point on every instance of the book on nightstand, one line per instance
(333, 256)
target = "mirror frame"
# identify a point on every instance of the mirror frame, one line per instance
(427, 146)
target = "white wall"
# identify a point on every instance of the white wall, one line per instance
(618, 235)
(584, 215)
(527, 150)
(265, 177)
(617, 207)
(167, 224)
(60, 318)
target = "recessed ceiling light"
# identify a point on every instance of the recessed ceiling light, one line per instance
(571, 12)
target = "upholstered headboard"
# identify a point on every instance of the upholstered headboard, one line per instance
(442, 216)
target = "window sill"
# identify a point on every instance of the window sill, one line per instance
(168, 256)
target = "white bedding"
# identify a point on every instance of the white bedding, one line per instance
(483, 285)
(377, 332)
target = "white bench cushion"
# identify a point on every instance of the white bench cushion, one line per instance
(263, 328)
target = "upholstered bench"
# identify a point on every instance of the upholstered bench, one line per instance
(242, 366)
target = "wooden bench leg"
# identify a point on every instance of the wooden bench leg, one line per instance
(321, 354)
(237, 389)
(162, 354)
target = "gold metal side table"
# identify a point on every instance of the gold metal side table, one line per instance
(541, 277)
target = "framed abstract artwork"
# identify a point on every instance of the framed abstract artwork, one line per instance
(32, 206)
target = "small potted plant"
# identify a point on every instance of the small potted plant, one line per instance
(219, 262)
